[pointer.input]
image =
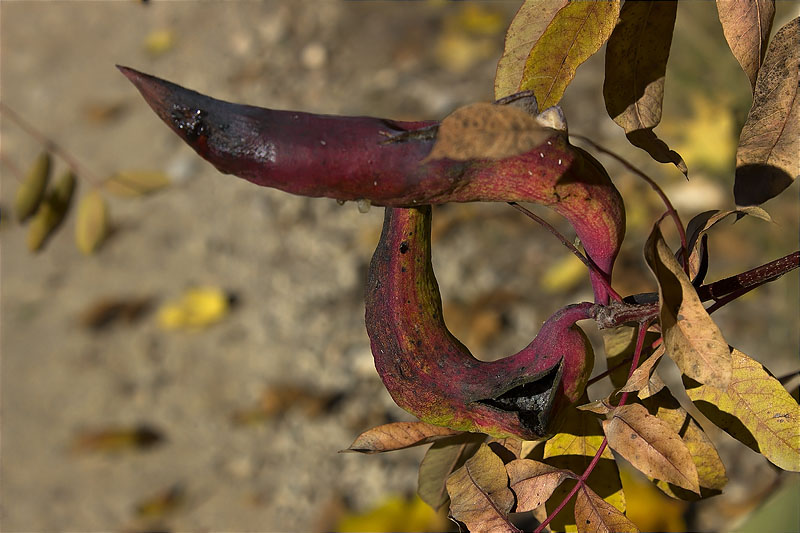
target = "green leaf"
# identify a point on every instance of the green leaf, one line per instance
(636, 63)
(442, 459)
(691, 337)
(92, 222)
(31, 191)
(398, 435)
(528, 25)
(651, 446)
(767, 159)
(754, 409)
(479, 493)
(746, 25)
(576, 32)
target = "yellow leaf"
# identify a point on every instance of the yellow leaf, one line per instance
(564, 275)
(754, 409)
(395, 514)
(91, 225)
(197, 308)
(159, 41)
(31, 191)
(51, 212)
(136, 182)
(649, 509)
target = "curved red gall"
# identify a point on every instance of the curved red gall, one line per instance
(349, 158)
(432, 375)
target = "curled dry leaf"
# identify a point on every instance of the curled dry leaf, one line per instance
(104, 312)
(534, 482)
(598, 407)
(575, 32)
(691, 337)
(487, 131)
(754, 409)
(767, 159)
(651, 446)
(51, 212)
(508, 448)
(700, 224)
(636, 63)
(642, 379)
(619, 344)
(92, 222)
(136, 182)
(398, 435)
(479, 493)
(593, 514)
(527, 26)
(442, 459)
(746, 25)
(710, 469)
(31, 191)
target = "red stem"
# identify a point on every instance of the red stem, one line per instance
(571, 247)
(670, 209)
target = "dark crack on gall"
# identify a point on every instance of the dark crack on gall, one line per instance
(532, 401)
(403, 247)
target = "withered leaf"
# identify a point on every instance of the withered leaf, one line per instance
(136, 182)
(534, 482)
(575, 32)
(487, 131)
(651, 446)
(479, 493)
(691, 337)
(754, 409)
(278, 399)
(105, 311)
(710, 469)
(598, 407)
(51, 212)
(92, 222)
(508, 448)
(162, 503)
(767, 159)
(442, 459)
(398, 435)
(593, 514)
(619, 344)
(643, 379)
(636, 63)
(700, 224)
(31, 191)
(527, 26)
(746, 25)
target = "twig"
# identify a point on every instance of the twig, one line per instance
(751, 279)
(670, 209)
(50, 145)
(584, 259)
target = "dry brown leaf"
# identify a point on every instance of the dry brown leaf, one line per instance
(442, 459)
(642, 377)
(651, 446)
(92, 222)
(691, 337)
(507, 449)
(527, 26)
(619, 344)
(31, 191)
(636, 63)
(746, 25)
(593, 514)
(479, 493)
(487, 131)
(398, 435)
(598, 407)
(754, 409)
(768, 159)
(105, 311)
(117, 439)
(279, 399)
(162, 503)
(534, 482)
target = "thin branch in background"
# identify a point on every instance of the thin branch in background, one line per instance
(50, 145)
(670, 209)
(755, 277)
(584, 259)
(10, 165)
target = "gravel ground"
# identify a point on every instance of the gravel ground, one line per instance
(296, 265)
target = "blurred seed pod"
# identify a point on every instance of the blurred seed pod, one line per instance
(51, 212)
(92, 223)
(31, 191)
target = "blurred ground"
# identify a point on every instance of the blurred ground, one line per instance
(297, 265)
